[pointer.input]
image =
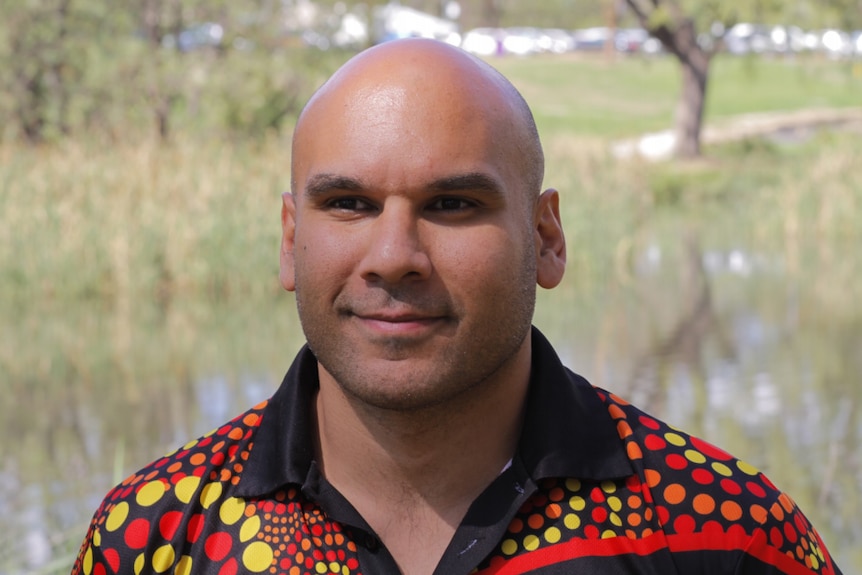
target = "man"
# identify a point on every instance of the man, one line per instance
(427, 428)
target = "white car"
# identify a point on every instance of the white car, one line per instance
(482, 41)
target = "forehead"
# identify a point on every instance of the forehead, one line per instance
(389, 126)
(406, 120)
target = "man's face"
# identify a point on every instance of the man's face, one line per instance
(411, 245)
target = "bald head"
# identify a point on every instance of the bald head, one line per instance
(399, 85)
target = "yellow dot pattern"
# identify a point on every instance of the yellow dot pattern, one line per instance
(682, 487)
(179, 516)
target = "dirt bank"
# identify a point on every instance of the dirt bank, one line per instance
(658, 146)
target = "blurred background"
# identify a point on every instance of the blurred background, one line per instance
(707, 153)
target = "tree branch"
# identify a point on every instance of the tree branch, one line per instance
(642, 16)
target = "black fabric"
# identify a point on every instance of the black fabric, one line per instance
(596, 486)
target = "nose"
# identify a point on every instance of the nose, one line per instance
(394, 251)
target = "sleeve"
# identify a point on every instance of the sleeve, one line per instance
(98, 555)
(786, 543)
(91, 559)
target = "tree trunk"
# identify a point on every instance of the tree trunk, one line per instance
(32, 111)
(679, 36)
(491, 13)
(610, 47)
(61, 68)
(694, 63)
(162, 111)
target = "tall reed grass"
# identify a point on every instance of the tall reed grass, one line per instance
(86, 224)
(799, 203)
(86, 220)
(82, 220)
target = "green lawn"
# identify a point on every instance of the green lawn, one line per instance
(627, 96)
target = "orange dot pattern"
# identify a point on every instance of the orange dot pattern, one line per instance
(686, 495)
(178, 516)
(688, 507)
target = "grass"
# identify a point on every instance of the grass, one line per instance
(88, 225)
(96, 220)
(629, 96)
(83, 220)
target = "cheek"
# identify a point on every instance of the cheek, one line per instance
(488, 263)
(321, 261)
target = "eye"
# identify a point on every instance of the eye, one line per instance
(451, 204)
(349, 204)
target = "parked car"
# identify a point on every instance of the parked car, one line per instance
(836, 43)
(746, 38)
(522, 41)
(591, 39)
(556, 40)
(482, 41)
(196, 37)
(636, 40)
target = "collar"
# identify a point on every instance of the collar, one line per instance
(568, 431)
(283, 447)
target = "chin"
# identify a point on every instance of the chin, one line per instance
(406, 389)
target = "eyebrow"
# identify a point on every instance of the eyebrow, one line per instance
(321, 184)
(475, 181)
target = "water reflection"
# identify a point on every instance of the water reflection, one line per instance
(755, 362)
(731, 346)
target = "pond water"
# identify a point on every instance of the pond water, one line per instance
(723, 344)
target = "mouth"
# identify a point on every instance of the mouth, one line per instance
(398, 319)
(398, 324)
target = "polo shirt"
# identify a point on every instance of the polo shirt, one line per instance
(596, 486)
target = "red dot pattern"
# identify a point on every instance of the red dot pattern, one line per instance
(684, 487)
(177, 516)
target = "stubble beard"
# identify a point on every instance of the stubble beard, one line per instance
(479, 349)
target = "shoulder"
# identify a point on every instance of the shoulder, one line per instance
(171, 497)
(702, 494)
(215, 456)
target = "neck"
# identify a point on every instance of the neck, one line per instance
(421, 466)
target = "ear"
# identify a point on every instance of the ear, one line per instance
(286, 274)
(550, 241)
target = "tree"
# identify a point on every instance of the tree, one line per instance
(846, 14)
(692, 31)
(41, 56)
(677, 30)
(127, 68)
(678, 33)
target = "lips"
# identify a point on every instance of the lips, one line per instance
(398, 318)
(389, 317)
(394, 308)
(401, 314)
(399, 329)
(399, 321)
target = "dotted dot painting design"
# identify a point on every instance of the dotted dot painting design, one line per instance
(177, 516)
(687, 491)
